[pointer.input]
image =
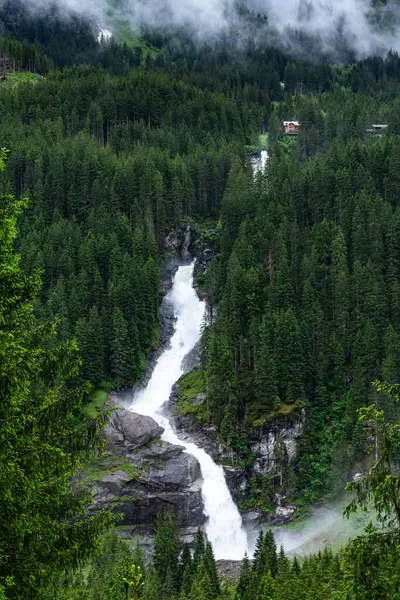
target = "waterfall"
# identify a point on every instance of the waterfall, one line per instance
(259, 162)
(104, 33)
(224, 524)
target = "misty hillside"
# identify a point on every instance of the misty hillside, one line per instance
(199, 300)
(337, 32)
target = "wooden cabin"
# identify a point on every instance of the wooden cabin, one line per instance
(377, 129)
(291, 127)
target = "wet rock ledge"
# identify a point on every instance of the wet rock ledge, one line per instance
(142, 475)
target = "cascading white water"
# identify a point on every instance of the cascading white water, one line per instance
(259, 162)
(224, 524)
(104, 33)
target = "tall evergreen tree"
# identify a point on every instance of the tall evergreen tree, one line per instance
(44, 527)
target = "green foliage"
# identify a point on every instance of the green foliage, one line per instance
(94, 403)
(44, 526)
(306, 254)
(373, 559)
(108, 570)
(115, 150)
(190, 386)
(133, 579)
(166, 554)
(22, 77)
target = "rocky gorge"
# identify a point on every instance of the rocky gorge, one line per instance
(264, 447)
(141, 474)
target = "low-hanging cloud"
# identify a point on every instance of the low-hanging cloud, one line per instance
(354, 24)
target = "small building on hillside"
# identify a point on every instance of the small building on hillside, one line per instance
(377, 129)
(291, 127)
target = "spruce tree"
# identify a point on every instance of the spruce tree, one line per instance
(245, 578)
(269, 559)
(166, 552)
(121, 356)
(185, 568)
(44, 527)
(199, 549)
(266, 373)
(266, 589)
(257, 551)
(210, 568)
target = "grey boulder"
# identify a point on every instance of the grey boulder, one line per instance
(131, 430)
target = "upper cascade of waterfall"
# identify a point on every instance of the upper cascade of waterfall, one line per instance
(224, 524)
(259, 162)
(104, 33)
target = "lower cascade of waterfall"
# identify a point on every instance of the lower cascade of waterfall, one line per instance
(224, 524)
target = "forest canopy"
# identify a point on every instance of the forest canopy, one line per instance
(109, 149)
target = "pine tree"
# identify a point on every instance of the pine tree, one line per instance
(341, 288)
(166, 554)
(267, 382)
(199, 549)
(269, 559)
(245, 578)
(202, 588)
(208, 565)
(258, 551)
(296, 566)
(153, 585)
(185, 569)
(121, 357)
(39, 450)
(266, 589)
(289, 356)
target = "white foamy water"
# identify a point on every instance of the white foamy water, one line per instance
(105, 33)
(259, 162)
(224, 524)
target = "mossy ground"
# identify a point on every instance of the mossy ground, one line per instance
(94, 404)
(21, 77)
(100, 466)
(190, 385)
(289, 409)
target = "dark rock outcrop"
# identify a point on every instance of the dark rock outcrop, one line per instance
(263, 446)
(186, 504)
(181, 241)
(186, 244)
(229, 570)
(174, 473)
(145, 475)
(131, 430)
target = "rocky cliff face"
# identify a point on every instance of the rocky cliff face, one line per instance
(181, 241)
(286, 430)
(143, 475)
(265, 443)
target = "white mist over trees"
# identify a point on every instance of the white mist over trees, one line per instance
(363, 26)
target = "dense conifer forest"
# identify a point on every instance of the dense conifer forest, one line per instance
(104, 154)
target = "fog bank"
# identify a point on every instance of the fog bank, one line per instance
(355, 24)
